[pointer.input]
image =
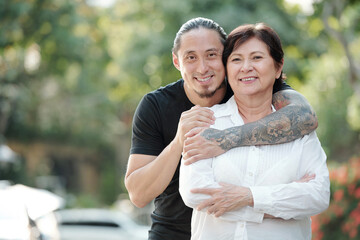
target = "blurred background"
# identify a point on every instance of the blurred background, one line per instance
(73, 72)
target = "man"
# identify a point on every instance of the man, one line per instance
(163, 118)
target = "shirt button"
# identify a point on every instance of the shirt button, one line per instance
(241, 225)
(250, 174)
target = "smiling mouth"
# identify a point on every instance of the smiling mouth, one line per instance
(248, 79)
(204, 79)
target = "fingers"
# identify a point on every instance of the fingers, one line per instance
(200, 114)
(212, 208)
(205, 204)
(207, 191)
(196, 117)
(190, 159)
(193, 132)
(194, 141)
(216, 210)
(306, 178)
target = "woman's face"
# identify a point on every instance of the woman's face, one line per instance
(251, 69)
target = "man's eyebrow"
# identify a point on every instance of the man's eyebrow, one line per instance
(189, 51)
(208, 50)
(213, 50)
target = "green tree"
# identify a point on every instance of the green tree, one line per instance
(333, 77)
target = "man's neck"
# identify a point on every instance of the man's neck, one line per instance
(208, 101)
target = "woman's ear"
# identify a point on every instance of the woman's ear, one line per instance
(280, 68)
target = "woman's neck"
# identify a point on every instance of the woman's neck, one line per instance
(253, 108)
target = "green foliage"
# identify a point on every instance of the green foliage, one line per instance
(55, 71)
(74, 74)
(323, 86)
(331, 78)
(342, 219)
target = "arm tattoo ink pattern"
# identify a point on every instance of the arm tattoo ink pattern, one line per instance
(293, 119)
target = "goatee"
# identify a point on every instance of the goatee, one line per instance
(211, 94)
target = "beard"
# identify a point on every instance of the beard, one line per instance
(211, 93)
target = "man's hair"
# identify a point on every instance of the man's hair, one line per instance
(197, 23)
(260, 31)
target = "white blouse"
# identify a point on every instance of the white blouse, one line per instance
(270, 171)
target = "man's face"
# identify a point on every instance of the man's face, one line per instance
(199, 59)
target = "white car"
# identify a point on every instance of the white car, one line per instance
(98, 224)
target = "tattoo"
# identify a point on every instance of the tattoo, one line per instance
(293, 119)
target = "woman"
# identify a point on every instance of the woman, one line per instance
(272, 203)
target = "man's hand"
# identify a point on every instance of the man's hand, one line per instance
(196, 117)
(225, 199)
(197, 145)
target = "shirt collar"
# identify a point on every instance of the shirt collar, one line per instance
(230, 109)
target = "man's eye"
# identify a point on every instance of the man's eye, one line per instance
(214, 54)
(191, 57)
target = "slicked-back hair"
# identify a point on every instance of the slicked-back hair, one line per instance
(197, 23)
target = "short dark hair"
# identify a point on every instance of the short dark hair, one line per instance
(260, 31)
(196, 23)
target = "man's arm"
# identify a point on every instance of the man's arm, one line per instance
(293, 119)
(148, 176)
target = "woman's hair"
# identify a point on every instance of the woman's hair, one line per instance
(260, 31)
(196, 23)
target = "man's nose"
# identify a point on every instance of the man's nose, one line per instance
(203, 66)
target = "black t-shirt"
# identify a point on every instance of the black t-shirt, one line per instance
(154, 127)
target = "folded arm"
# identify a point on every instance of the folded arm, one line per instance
(306, 197)
(298, 199)
(200, 175)
(293, 119)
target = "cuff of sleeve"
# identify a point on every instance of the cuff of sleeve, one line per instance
(262, 199)
(252, 215)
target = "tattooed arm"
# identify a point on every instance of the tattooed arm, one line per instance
(293, 119)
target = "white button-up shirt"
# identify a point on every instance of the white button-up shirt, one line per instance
(270, 171)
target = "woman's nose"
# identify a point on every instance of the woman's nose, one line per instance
(246, 66)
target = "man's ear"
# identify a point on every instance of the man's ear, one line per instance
(176, 61)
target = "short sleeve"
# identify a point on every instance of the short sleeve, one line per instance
(146, 128)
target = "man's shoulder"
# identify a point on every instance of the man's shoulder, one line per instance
(170, 93)
(173, 87)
